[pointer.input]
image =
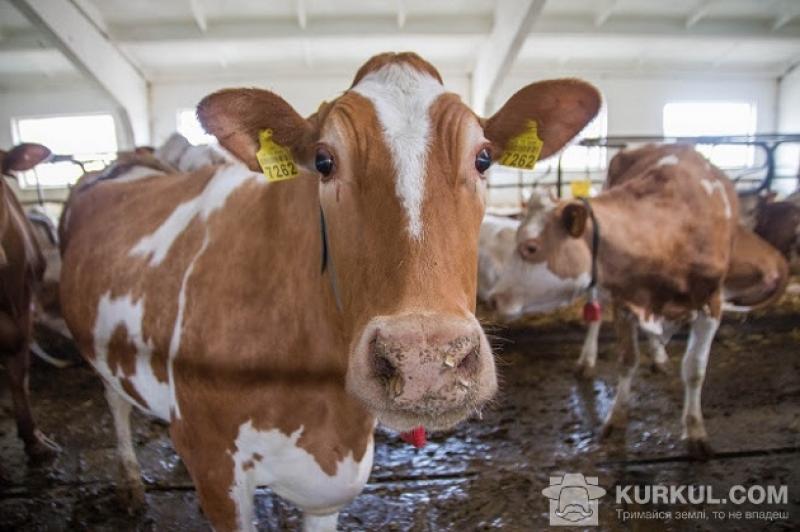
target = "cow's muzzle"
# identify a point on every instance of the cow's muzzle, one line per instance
(422, 369)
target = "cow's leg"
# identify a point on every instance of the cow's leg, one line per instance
(628, 344)
(658, 353)
(130, 487)
(37, 446)
(226, 495)
(693, 371)
(320, 523)
(585, 366)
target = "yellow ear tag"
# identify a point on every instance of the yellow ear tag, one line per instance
(275, 160)
(581, 188)
(523, 150)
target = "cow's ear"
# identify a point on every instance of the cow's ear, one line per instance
(573, 218)
(24, 157)
(561, 108)
(237, 117)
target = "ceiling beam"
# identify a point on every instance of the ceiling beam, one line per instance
(199, 14)
(783, 20)
(433, 25)
(604, 14)
(699, 12)
(93, 54)
(401, 14)
(302, 14)
(513, 21)
(92, 13)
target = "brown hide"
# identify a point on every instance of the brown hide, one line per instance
(665, 240)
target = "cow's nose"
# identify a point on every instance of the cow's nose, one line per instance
(431, 369)
(418, 364)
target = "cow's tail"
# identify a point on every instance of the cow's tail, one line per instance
(37, 350)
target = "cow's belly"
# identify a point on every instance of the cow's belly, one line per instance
(271, 458)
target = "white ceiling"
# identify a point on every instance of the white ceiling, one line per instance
(203, 39)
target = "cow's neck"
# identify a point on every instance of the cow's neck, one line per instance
(624, 237)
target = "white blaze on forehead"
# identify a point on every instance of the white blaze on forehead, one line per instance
(539, 207)
(667, 160)
(710, 185)
(402, 97)
(157, 244)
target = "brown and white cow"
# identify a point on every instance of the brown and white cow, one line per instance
(666, 230)
(272, 324)
(757, 275)
(21, 268)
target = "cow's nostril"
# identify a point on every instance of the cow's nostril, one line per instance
(469, 364)
(384, 369)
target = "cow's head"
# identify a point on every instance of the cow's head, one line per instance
(552, 264)
(401, 164)
(19, 159)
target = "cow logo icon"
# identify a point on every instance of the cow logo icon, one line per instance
(573, 500)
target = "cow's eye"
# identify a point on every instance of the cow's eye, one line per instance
(483, 160)
(324, 162)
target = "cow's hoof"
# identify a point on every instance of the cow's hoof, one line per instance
(584, 371)
(607, 430)
(131, 497)
(661, 367)
(41, 449)
(699, 449)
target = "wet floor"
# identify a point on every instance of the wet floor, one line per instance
(487, 474)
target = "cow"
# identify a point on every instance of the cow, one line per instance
(665, 229)
(495, 246)
(779, 224)
(757, 276)
(22, 266)
(181, 154)
(273, 324)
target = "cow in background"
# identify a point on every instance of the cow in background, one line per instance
(666, 232)
(178, 152)
(779, 224)
(495, 247)
(22, 266)
(757, 276)
(274, 323)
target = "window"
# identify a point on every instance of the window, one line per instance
(691, 119)
(91, 139)
(189, 126)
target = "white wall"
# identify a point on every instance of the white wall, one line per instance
(635, 105)
(789, 102)
(788, 156)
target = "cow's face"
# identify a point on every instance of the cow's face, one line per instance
(18, 159)
(551, 267)
(400, 164)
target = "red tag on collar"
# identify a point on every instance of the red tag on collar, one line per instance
(415, 437)
(592, 311)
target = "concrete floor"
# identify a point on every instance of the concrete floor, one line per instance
(488, 473)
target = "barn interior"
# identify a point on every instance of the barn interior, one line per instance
(91, 78)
